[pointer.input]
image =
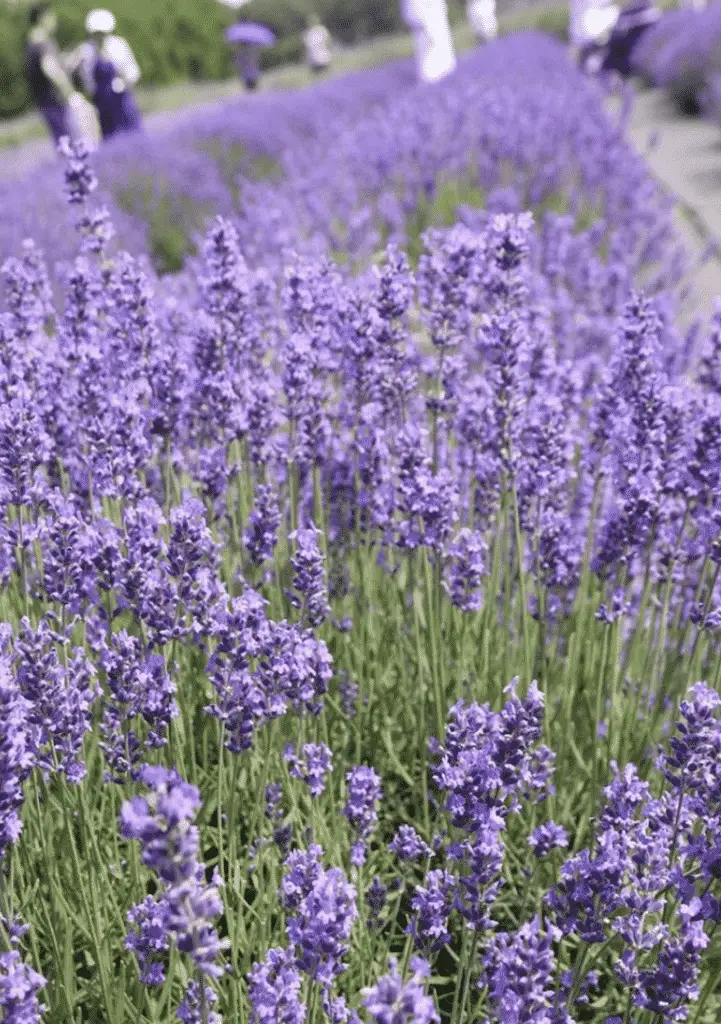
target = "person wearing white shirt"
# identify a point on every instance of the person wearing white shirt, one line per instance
(428, 20)
(111, 71)
(317, 45)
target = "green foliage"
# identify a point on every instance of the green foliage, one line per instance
(348, 20)
(554, 21)
(441, 211)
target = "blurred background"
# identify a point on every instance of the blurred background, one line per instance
(178, 41)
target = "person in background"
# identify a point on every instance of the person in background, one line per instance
(317, 45)
(49, 83)
(482, 18)
(248, 65)
(111, 72)
(590, 24)
(428, 21)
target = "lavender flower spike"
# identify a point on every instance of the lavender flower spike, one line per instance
(163, 822)
(274, 990)
(309, 577)
(19, 985)
(391, 1001)
(364, 791)
(16, 755)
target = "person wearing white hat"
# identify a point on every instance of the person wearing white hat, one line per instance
(482, 18)
(112, 71)
(591, 21)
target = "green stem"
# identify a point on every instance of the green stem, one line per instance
(527, 657)
(467, 981)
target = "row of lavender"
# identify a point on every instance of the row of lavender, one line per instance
(344, 616)
(682, 53)
(353, 164)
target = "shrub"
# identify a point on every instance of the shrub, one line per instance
(681, 53)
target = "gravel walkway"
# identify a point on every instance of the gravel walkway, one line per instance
(686, 158)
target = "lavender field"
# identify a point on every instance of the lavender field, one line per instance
(360, 653)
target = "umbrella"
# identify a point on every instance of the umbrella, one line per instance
(249, 32)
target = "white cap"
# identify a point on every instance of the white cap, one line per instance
(99, 21)
(597, 22)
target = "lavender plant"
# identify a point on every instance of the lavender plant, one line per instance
(368, 575)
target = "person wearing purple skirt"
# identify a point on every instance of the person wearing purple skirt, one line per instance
(48, 81)
(113, 72)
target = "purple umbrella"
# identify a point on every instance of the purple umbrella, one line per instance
(249, 32)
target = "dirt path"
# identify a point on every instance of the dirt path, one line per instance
(686, 159)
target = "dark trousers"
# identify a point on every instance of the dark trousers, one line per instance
(56, 118)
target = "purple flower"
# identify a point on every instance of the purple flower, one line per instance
(671, 984)
(547, 837)
(302, 869)
(139, 688)
(427, 503)
(150, 938)
(28, 292)
(282, 836)
(321, 909)
(364, 792)
(709, 370)
(67, 557)
(408, 845)
(80, 179)
(690, 766)
(194, 562)
(432, 904)
(619, 607)
(61, 694)
(163, 822)
(191, 1009)
(273, 797)
(482, 855)
(465, 569)
(337, 1010)
(17, 746)
(393, 1001)
(375, 898)
(274, 990)
(519, 970)
(263, 524)
(295, 669)
(349, 693)
(309, 578)
(312, 766)
(19, 985)
(242, 700)
(490, 758)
